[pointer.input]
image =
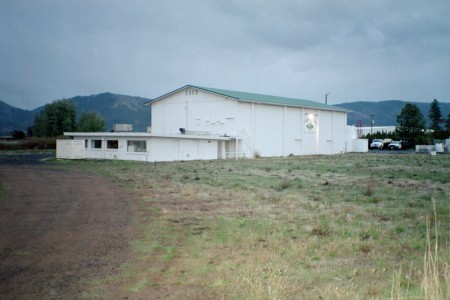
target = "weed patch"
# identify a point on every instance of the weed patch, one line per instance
(336, 227)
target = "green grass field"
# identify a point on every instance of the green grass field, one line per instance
(350, 226)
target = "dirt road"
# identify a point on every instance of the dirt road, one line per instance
(58, 229)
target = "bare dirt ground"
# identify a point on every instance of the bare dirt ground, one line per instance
(58, 230)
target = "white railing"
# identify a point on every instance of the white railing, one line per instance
(244, 136)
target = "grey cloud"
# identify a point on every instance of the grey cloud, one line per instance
(359, 50)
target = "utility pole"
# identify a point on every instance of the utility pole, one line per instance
(326, 98)
(371, 124)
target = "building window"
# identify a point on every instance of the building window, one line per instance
(112, 144)
(96, 144)
(136, 146)
(86, 144)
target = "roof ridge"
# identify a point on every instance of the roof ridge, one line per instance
(269, 99)
(250, 93)
(257, 98)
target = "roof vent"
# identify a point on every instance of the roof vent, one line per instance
(122, 128)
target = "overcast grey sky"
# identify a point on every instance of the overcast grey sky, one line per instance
(354, 49)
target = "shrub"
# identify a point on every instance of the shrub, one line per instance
(286, 183)
(30, 144)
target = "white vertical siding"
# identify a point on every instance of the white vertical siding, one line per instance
(271, 130)
(164, 149)
(293, 131)
(195, 112)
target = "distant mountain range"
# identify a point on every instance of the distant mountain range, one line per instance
(116, 109)
(122, 109)
(385, 112)
(12, 118)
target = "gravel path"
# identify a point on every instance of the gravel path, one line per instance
(58, 229)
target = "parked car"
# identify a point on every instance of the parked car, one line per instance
(376, 144)
(379, 144)
(395, 145)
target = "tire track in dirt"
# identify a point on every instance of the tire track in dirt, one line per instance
(58, 229)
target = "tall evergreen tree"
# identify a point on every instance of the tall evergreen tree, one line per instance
(57, 117)
(435, 116)
(411, 125)
(447, 123)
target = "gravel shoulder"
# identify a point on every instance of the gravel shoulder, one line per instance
(58, 230)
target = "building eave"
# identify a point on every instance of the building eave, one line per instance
(145, 135)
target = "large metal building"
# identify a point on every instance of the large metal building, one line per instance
(194, 122)
(260, 125)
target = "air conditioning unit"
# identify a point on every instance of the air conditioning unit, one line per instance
(122, 127)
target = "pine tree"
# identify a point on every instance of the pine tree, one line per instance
(447, 123)
(435, 116)
(411, 125)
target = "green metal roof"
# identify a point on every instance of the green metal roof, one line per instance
(259, 98)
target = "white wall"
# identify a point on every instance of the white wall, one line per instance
(199, 112)
(293, 143)
(360, 145)
(272, 130)
(104, 153)
(158, 149)
(70, 149)
(162, 149)
(268, 128)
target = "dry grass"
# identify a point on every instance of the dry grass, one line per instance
(436, 269)
(435, 275)
(330, 227)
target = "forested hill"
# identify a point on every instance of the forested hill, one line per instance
(115, 109)
(118, 109)
(385, 112)
(12, 118)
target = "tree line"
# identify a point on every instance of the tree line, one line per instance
(411, 126)
(60, 116)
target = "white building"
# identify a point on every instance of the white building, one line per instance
(195, 122)
(362, 131)
(140, 146)
(258, 124)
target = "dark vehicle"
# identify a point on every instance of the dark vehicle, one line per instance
(395, 145)
(406, 144)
